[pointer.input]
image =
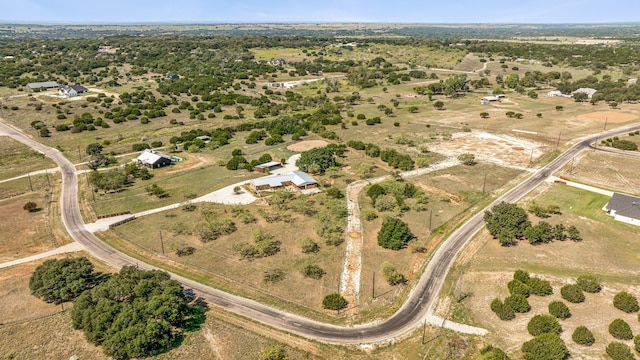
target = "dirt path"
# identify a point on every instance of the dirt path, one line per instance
(352, 266)
(73, 247)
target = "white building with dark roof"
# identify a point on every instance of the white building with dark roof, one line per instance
(73, 90)
(296, 180)
(625, 208)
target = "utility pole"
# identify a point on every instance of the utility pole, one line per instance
(161, 242)
(531, 158)
(47, 175)
(30, 184)
(79, 154)
(571, 169)
(606, 119)
(484, 183)
(424, 330)
(558, 144)
(430, 218)
(373, 286)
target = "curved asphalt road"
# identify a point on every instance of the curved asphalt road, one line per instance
(410, 315)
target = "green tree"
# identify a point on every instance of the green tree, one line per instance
(619, 351)
(506, 217)
(322, 158)
(547, 346)
(540, 287)
(484, 115)
(94, 149)
(559, 309)
(518, 303)
(573, 233)
(438, 105)
(636, 343)
(58, 281)
(619, 329)
(44, 132)
(543, 323)
(580, 97)
(589, 283)
(540, 233)
(572, 293)
(504, 311)
(625, 302)
(135, 313)
(583, 336)
(334, 302)
(521, 276)
(394, 234)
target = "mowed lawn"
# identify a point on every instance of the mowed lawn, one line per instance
(609, 250)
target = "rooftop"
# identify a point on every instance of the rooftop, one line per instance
(625, 205)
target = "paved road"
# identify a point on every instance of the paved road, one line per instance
(408, 317)
(73, 247)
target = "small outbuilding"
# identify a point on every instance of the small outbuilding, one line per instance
(153, 159)
(42, 85)
(172, 76)
(625, 208)
(296, 180)
(588, 91)
(268, 167)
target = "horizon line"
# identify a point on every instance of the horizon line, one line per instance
(248, 22)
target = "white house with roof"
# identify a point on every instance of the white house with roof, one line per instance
(296, 180)
(153, 159)
(72, 91)
(625, 208)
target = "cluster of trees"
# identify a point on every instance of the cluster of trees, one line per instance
(263, 245)
(131, 314)
(117, 178)
(520, 288)
(135, 313)
(620, 144)
(392, 195)
(317, 160)
(510, 222)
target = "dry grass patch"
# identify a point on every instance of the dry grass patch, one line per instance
(609, 116)
(307, 145)
(26, 233)
(17, 159)
(218, 259)
(605, 170)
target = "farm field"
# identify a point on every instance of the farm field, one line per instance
(17, 159)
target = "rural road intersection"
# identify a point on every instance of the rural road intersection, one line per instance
(412, 314)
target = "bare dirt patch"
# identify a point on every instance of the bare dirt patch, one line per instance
(605, 170)
(501, 149)
(307, 145)
(609, 116)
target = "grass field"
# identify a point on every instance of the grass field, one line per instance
(609, 251)
(17, 159)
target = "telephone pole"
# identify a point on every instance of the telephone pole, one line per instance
(30, 184)
(161, 242)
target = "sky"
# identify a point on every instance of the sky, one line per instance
(255, 11)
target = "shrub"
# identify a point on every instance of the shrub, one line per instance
(313, 271)
(543, 323)
(504, 312)
(540, 287)
(394, 234)
(273, 275)
(548, 346)
(636, 343)
(625, 302)
(392, 275)
(140, 146)
(518, 303)
(369, 214)
(521, 276)
(572, 293)
(309, 246)
(583, 336)
(589, 283)
(559, 309)
(334, 302)
(30, 206)
(619, 351)
(184, 251)
(619, 329)
(491, 352)
(58, 281)
(517, 287)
